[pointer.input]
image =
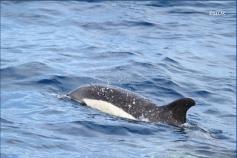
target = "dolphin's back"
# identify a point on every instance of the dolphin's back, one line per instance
(130, 102)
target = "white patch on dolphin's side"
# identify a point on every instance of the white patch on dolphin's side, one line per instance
(142, 118)
(108, 108)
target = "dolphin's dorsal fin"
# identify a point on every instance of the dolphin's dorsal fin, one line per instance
(175, 112)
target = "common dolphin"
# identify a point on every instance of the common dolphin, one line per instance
(123, 103)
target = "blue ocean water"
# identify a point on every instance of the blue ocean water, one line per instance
(163, 50)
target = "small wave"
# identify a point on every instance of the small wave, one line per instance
(115, 129)
(114, 55)
(162, 4)
(203, 93)
(50, 11)
(6, 121)
(66, 83)
(49, 81)
(140, 23)
(8, 155)
(213, 111)
(210, 134)
(89, 128)
(110, 25)
(146, 65)
(186, 12)
(177, 3)
(170, 60)
(26, 70)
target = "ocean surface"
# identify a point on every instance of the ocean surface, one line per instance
(162, 50)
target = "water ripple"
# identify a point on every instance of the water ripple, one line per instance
(162, 50)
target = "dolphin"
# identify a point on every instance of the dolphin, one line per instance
(126, 104)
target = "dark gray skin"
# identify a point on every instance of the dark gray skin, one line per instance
(139, 107)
